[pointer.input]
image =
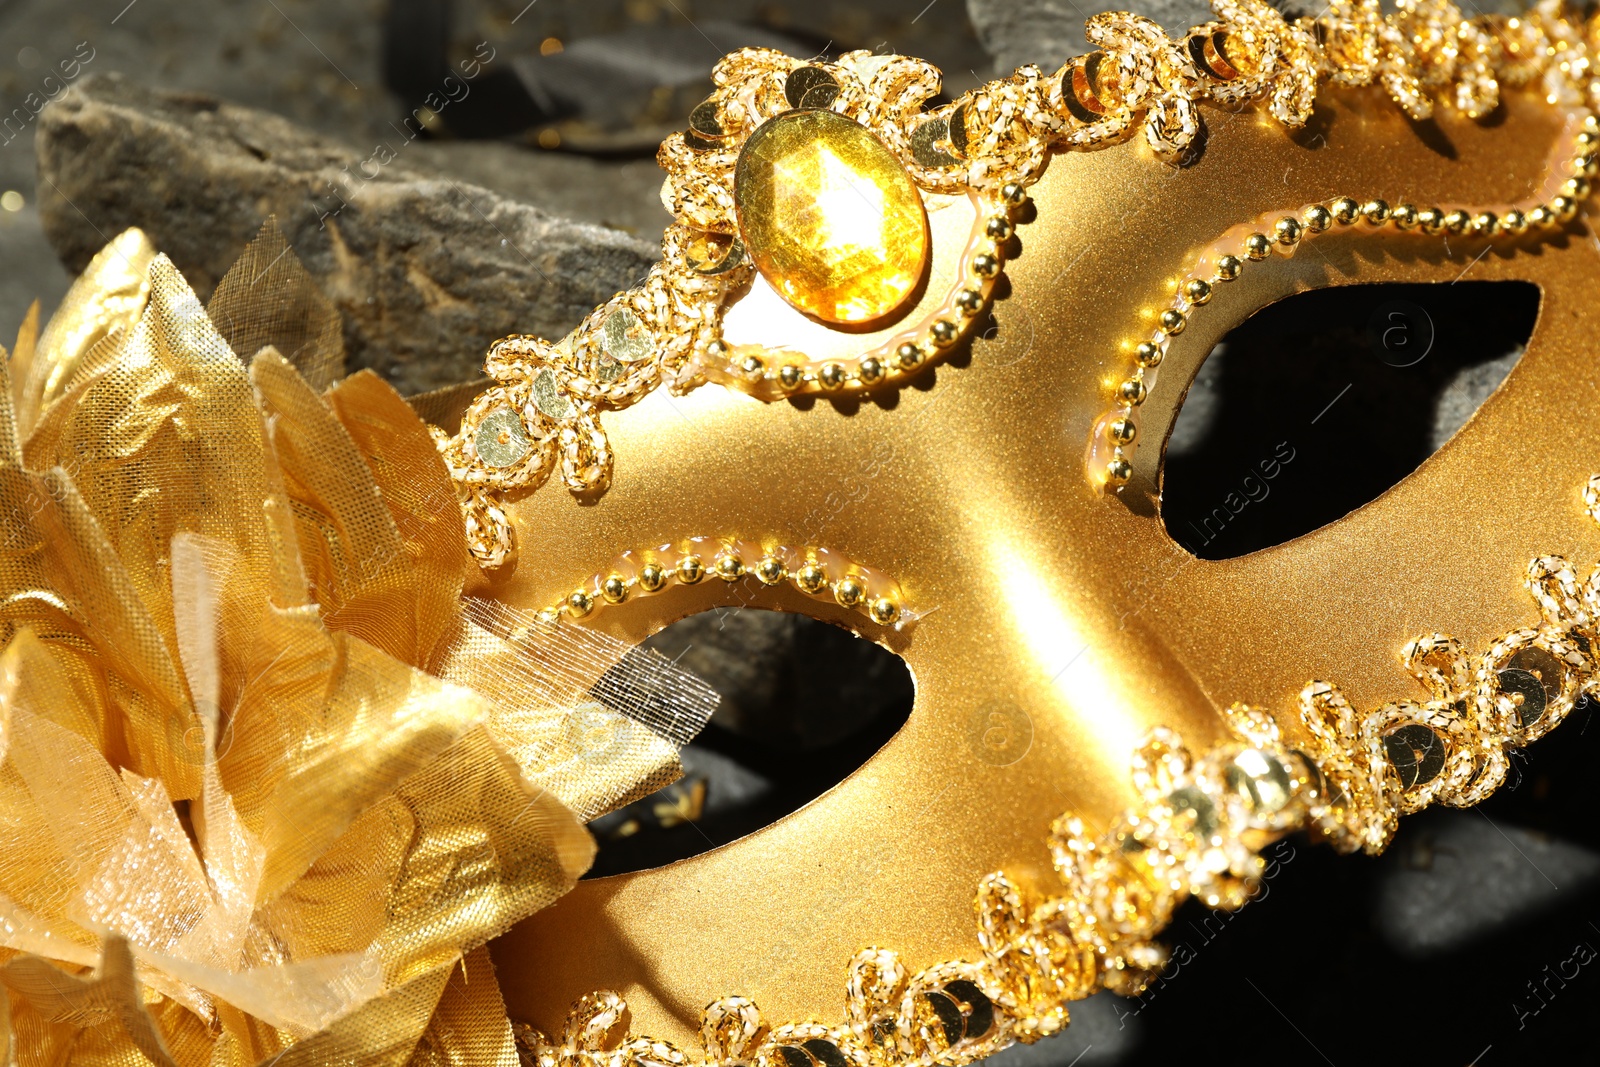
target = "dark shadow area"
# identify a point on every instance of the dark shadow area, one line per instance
(1325, 968)
(1318, 403)
(804, 704)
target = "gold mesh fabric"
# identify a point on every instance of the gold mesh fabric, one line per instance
(107, 298)
(268, 299)
(268, 780)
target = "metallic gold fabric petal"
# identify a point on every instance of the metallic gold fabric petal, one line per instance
(382, 1033)
(61, 576)
(98, 1020)
(350, 545)
(591, 755)
(20, 358)
(109, 295)
(416, 488)
(35, 878)
(233, 747)
(378, 723)
(39, 450)
(267, 298)
(469, 1025)
(175, 412)
(488, 847)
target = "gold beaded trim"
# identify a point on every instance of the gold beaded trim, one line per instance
(1567, 185)
(816, 572)
(1198, 831)
(991, 144)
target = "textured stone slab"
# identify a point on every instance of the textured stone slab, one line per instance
(426, 271)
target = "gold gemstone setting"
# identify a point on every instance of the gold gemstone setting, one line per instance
(830, 217)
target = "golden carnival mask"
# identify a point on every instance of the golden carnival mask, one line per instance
(794, 411)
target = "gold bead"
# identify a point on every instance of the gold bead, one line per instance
(1404, 216)
(1317, 218)
(849, 591)
(717, 348)
(944, 333)
(1587, 164)
(831, 376)
(1257, 246)
(1122, 430)
(1345, 210)
(652, 577)
(1375, 211)
(1172, 321)
(1513, 222)
(1457, 221)
(884, 611)
(985, 265)
(1577, 188)
(1430, 220)
(1485, 223)
(908, 355)
(579, 603)
(614, 589)
(1586, 139)
(1197, 290)
(1229, 268)
(751, 366)
(790, 376)
(1591, 123)
(1148, 354)
(1540, 217)
(1013, 194)
(1132, 391)
(999, 228)
(1565, 208)
(770, 570)
(969, 301)
(871, 370)
(1118, 471)
(1287, 231)
(810, 578)
(729, 566)
(690, 570)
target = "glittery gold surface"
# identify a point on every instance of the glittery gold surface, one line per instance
(830, 217)
(1049, 603)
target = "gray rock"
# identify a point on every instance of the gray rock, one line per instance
(426, 271)
(1050, 32)
(1454, 876)
(623, 194)
(1465, 394)
(1104, 1030)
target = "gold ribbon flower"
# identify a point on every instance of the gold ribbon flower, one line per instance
(270, 777)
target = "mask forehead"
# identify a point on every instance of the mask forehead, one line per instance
(1051, 608)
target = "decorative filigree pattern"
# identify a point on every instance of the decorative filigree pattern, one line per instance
(1198, 831)
(990, 145)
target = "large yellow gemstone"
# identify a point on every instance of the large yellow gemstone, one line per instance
(831, 218)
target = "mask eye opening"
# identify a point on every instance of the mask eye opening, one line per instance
(1321, 402)
(805, 704)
